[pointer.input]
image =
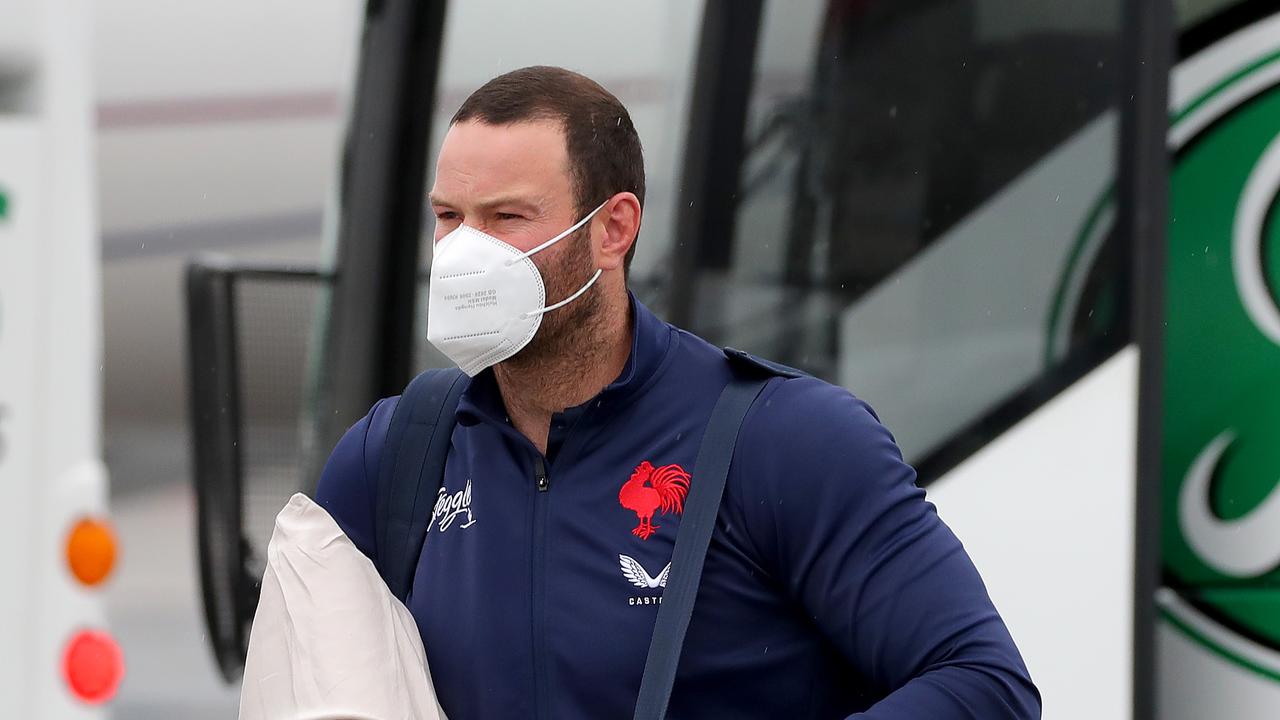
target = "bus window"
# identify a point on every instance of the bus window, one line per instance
(917, 207)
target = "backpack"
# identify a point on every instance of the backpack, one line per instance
(411, 473)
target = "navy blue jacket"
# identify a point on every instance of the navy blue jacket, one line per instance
(831, 586)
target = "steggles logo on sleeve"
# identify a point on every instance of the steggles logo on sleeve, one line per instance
(653, 490)
(449, 507)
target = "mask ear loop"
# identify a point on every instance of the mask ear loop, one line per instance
(567, 300)
(556, 239)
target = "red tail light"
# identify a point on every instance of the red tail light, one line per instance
(93, 666)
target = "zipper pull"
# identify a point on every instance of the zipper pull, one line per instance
(540, 474)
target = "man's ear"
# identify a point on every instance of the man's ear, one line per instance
(615, 228)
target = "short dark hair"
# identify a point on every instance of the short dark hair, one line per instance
(604, 150)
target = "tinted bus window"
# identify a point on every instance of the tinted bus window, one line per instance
(921, 214)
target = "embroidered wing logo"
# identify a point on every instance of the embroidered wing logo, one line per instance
(635, 573)
(653, 490)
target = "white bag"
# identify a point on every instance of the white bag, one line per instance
(329, 641)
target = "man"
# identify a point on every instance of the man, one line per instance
(830, 588)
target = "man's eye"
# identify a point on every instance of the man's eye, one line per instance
(447, 215)
(508, 216)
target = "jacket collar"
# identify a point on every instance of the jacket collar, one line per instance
(650, 344)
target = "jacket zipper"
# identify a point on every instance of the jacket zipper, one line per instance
(540, 474)
(539, 584)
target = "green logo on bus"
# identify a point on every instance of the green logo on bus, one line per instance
(1221, 444)
(4, 204)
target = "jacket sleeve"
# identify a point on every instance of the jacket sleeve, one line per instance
(346, 488)
(855, 542)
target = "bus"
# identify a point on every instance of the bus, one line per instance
(58, 659)
(1035, 236)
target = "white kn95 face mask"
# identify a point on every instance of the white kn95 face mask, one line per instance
(487, 298)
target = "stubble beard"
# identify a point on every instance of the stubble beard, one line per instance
(567, 334)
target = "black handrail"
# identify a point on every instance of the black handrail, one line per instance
(217, 460)
(228, 585)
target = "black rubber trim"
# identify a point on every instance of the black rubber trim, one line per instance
(1142, 219)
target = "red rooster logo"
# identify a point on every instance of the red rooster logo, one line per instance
(652, 490)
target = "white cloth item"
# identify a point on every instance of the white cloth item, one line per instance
(329, 640)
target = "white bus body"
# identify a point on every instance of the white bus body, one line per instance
(50, 346)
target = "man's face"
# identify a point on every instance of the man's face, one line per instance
(513, 182)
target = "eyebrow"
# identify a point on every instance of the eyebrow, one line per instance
(489, 204)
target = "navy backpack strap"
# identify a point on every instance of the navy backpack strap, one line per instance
(710, 471)
(411, 472)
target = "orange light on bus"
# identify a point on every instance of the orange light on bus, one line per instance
(93, 666)
(91, 551)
